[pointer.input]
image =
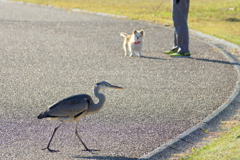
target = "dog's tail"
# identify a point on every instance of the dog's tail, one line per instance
(123, 34)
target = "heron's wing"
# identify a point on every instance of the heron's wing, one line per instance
(70, 106)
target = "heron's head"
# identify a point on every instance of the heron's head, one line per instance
(106, 85)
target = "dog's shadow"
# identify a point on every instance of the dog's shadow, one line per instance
(154, 58)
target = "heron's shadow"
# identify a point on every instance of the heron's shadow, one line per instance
(105, 158)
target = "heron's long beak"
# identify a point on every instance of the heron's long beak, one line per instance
(116, 87)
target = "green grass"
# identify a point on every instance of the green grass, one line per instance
(226, 147)
(219, 18)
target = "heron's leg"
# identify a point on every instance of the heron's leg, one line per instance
(51, 140)
(86, 148)
(76, 132)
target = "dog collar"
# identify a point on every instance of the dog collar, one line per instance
(137, 42)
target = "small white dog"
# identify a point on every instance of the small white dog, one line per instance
(133, 42)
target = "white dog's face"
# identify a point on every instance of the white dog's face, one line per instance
(138, 35)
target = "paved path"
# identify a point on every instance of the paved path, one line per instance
(48, 54)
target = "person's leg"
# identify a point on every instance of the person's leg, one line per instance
(175, 46)
(180, 16)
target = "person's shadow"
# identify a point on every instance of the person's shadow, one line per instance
(198, 59)
(215, 61)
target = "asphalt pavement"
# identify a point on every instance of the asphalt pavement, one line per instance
(48, 54)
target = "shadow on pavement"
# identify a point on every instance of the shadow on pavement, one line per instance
(153, 58)
(215, 61)
(106, 158)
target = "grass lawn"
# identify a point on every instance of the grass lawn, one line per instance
(219, 18)
(225, 147)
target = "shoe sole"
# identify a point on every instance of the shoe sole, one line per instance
(170, 52)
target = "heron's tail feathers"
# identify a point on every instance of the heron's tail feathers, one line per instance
(42, 115)
(123, 34)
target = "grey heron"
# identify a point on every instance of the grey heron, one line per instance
(74, 108)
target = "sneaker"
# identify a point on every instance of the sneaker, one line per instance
(187, 54)
(171, 51)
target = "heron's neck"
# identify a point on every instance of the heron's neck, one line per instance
(101, 100)
(101, 97)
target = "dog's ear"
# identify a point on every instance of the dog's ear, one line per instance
(134, 31)
(142, 33)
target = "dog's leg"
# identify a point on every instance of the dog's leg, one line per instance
(132, 53)
(140, 53)
(131, 50)
(125, 48)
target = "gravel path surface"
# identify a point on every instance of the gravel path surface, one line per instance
(48, 54)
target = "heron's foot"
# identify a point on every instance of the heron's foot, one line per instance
(50, 150)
